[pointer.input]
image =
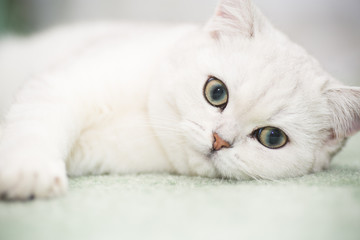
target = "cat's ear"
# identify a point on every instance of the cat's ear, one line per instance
(234, 17)
(344, 104)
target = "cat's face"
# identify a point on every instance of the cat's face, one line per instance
(248, 104)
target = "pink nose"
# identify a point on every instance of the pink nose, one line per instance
(219, 143)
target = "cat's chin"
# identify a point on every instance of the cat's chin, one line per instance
(222, 165)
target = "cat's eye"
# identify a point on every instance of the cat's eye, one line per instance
(216, 93)
(271, 137)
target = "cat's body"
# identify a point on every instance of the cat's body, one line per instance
(113, 133)
(125, 98)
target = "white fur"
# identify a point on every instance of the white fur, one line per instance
(125, 98)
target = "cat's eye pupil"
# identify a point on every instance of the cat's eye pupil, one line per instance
(274, 137)
(216, 93)
(271, 137)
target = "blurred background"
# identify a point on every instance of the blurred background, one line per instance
(328, 29)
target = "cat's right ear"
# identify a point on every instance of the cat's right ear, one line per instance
(344, 105)
(235, 17)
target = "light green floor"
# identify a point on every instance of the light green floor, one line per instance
(321, 206)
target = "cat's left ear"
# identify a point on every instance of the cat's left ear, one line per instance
(236, 17)
(344, 104)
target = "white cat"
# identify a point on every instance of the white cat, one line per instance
(233, 99)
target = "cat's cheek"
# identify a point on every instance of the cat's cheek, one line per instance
(250, 160)
(228, 167)
(200, 165)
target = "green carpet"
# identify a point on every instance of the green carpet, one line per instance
(319, 206)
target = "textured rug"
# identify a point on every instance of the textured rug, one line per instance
(319, 206)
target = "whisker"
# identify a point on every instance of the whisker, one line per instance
(196, 124)
(239, 166)
(147, 137)
(260, 175)
(245, 169)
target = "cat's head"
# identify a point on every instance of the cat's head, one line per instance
(244, 101)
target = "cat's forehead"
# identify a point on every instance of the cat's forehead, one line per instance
(264, 59)
(264, 64)
(267, 78)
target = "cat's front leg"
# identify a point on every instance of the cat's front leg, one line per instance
(24, 177)
(35, 139)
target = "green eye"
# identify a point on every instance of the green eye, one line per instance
(216, 93)
(271, 137)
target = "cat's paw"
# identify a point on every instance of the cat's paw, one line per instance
(25, 180)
